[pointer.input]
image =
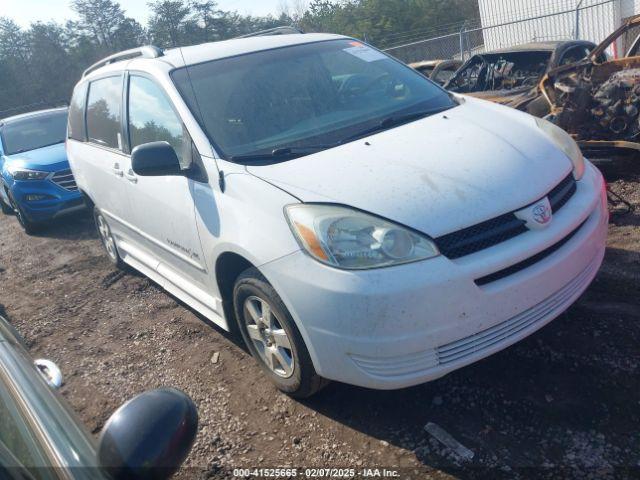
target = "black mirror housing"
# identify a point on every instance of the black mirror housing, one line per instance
(150, 436)
(155, 159)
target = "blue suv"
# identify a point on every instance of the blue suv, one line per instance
(36, 182)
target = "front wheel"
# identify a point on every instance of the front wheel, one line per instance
(27, 225)
(6, 209)
(272, 336)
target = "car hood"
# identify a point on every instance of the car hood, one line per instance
(437, 175)
(46, 159)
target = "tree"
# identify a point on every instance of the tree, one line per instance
(42, 63)
(130, 34)
(101, 19)
(170, 21)
(13, 41)
(50, 58)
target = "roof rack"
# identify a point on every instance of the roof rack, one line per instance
(274, 31)
(148, 51)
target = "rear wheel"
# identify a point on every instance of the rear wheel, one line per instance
(106, 237)
(272, 336)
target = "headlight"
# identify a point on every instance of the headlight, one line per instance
(564, 142)
(26, 174)
(349, 239)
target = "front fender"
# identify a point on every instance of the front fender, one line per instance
(247, 219)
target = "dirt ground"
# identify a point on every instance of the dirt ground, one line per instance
(563, 403)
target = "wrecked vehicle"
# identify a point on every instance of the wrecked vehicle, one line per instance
(440, 71)
(512, 76)
(598, 101)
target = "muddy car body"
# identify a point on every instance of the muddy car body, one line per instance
(597, 100)
(512, 76)
(440, 71)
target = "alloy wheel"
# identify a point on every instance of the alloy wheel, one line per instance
(268, 336)
(106, 237)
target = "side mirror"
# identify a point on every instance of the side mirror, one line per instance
(150, 436)
(155, 159)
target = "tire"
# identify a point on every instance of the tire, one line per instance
(27, 225)
(270, 336)
(6, 209)
(107, 239)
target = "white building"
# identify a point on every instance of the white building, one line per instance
(511, 22)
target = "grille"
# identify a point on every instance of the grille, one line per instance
(562, 193)
(64, 179)
(505, 272)
(480, 236)
(501, 333)
(499, 229)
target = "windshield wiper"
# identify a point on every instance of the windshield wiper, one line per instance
(394, 121)
(281, 153)
(288, 153)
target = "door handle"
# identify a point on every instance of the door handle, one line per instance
(117, 170)
(131, 176)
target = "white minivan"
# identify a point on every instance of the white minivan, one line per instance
(352, 219)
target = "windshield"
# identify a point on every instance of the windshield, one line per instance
(304, 96)
(35, 132)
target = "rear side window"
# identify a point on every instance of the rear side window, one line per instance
(103, 112)
(152, 119)
(76, 129)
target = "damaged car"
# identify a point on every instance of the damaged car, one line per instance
(597, 100)
(512, 76)
(440, 71)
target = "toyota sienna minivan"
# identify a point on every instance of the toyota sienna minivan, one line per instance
(352, 219)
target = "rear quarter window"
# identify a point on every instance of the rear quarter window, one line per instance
(76, 129)
(103, 112)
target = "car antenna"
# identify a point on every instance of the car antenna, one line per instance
(221, 181)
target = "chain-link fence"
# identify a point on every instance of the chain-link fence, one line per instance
(505, 23)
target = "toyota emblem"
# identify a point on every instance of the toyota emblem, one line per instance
(542, 214)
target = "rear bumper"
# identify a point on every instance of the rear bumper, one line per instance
(396, 327)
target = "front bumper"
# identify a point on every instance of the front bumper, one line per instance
(58, 201)
(400, 326)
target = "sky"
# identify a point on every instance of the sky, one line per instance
(25, 12)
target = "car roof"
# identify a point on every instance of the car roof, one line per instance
(37, 113)
(238, 46)
(549, 46)
(176, 57)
